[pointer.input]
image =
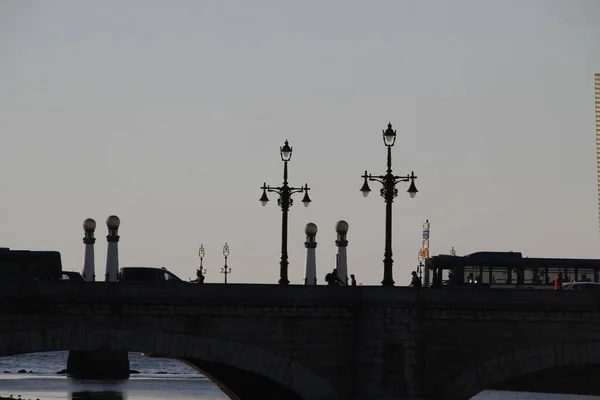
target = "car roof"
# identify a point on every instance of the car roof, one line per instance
(147, 267)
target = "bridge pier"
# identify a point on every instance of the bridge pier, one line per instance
(101, 364)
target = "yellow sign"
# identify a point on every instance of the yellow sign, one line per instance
(424, 253)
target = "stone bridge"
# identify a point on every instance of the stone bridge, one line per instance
(318, 342)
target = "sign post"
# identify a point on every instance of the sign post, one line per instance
(424, 252)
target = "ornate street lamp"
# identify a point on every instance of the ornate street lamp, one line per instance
(284, 201)
(389, 192)
(201, 270)
(225, 270)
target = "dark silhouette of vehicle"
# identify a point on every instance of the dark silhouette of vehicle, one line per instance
(28, 265)
(148, 275)
(581, 286)
(508, 270)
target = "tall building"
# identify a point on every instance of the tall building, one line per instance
(597, 98)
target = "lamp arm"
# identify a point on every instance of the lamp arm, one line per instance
(405, 178)
(401, 178)
(297, 190)
(376, 178)
(270, 189)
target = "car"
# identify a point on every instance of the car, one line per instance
(581, 285)
(147, 274)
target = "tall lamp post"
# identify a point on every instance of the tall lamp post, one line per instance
(389, 192)
(225, 270)
(284, 201)
(201, 270)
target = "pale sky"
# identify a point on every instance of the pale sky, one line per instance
(170, 115)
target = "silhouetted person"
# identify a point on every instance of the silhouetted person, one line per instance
(415, 281)
(558, 282)
(353, 279)
(332, 278)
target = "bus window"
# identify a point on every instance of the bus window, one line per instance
(528, 276)
(446, 275)
(540, 276)
(475, 274)
(569, 275)
(584, 275)
(552, 272)
(484, 275)
(500, 276)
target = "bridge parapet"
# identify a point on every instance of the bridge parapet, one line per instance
(364, 342)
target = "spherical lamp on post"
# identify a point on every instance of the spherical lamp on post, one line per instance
(112, 252)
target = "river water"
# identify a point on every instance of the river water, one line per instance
(159, 379)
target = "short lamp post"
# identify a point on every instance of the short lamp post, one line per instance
(225, 270)
(388, 192)
(201, 270)
(284, 201)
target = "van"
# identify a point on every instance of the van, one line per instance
(29, 265)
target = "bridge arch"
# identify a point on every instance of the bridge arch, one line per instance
(505, 367)
(212, 356)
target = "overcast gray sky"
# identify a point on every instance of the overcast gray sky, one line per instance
(170, 115)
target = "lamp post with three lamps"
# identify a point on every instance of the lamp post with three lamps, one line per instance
(225, 270)
(284, 201)
(201, 270)
(388, 192)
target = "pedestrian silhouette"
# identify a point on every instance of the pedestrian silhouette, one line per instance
(353, 279)
(558, 282)
(333, 279)
(415, 281)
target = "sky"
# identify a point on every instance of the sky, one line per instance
(170, 114)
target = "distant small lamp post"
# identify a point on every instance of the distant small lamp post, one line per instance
(420, 258)
(284, 201)
(201, 270)
(226, 270)
(388, 192)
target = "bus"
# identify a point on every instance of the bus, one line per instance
(28, 265)
(506, 270)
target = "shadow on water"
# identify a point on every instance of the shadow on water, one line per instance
(105, 395)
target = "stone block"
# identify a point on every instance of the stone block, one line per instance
(177, 345)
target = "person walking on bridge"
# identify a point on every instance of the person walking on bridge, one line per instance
(558, 282)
